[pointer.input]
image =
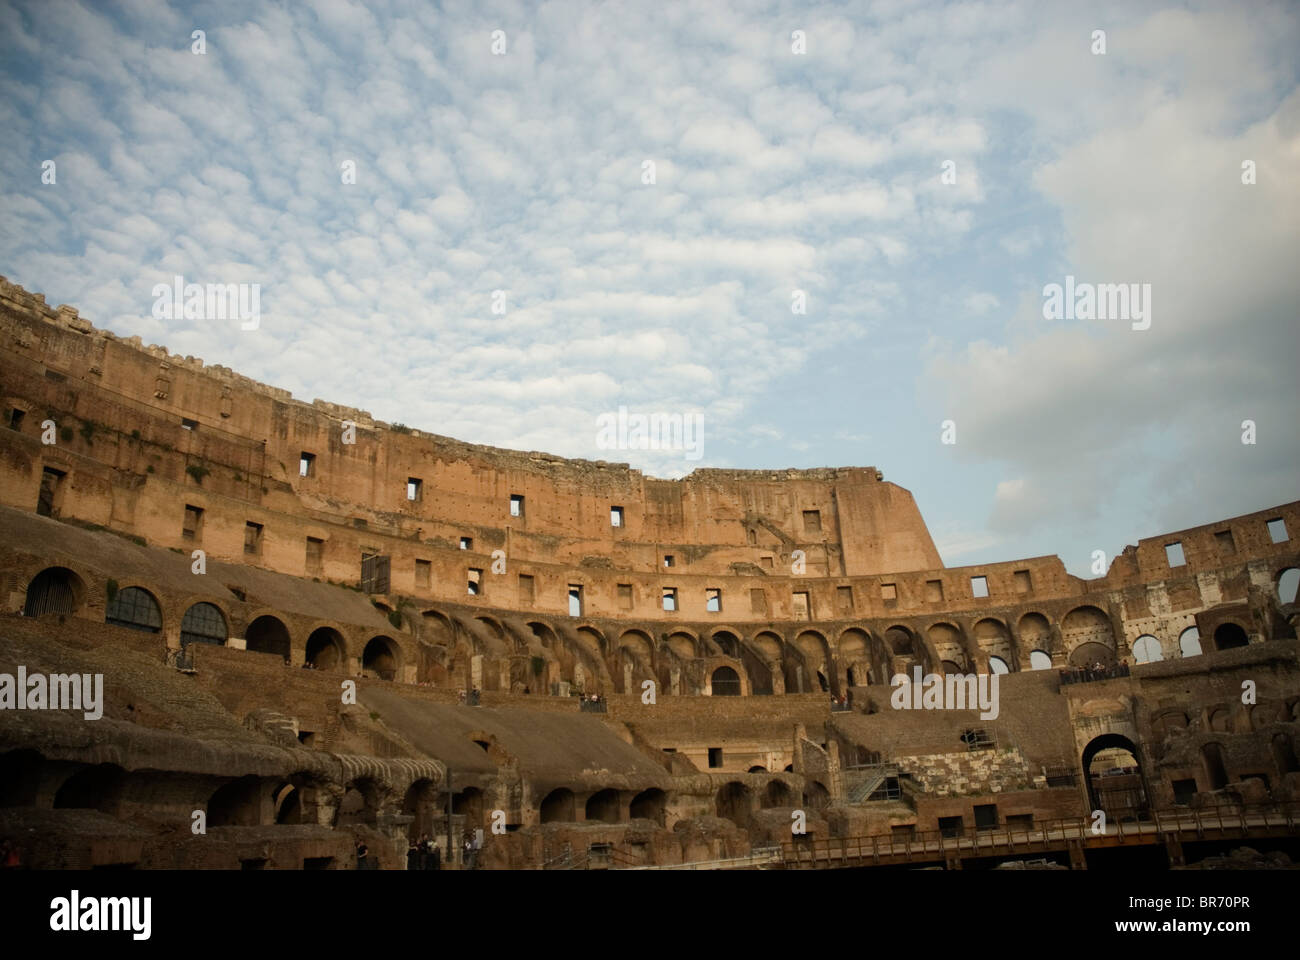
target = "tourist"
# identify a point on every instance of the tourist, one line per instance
(413, 856)
(435, 856)
(362, 852)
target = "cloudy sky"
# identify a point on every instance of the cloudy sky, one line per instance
(775, 171)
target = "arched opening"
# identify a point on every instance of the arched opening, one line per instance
(1039, 660)
(53, 590)
(649, 805)
(1216, 772)
(469, 804)
(1116, 783)
(950, 668)
(380, 659)
(1287, 583)
(203, 623)
(558, 806)
(1189, 642)
(1146, 649)
(1033, 632)
(1229, 636)
(1089, 654)
(728, 643)
(420, 803)
(899, 641)
(1284, 754)
(267, 634)
(603, 806)
(777, 793)
(288, 805)
(20, 772)
(135, 609)
(998, 665)
(325, 648)
(815, 796)
(725, 682)
(236, 804)
(757, 769)
(734, 802)
(95, 788)
(360, 805)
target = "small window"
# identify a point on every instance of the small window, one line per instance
(1277, 530)
(315, 550)
(616, 516)
(986, 816)
(516, 505)
(1174, 554)
(307, 464)
(193, 525)
(414, 488)
(670, 599)
(713, 600)
(934, 591)
(16, 418)
(189, 424)
(1184, 791)
(889, 591)
(625, 596)
(423, 573)
(668, 559)
(802, 609)
(252, 538)
(715, 757)
(575, 599)
(812, 521)
(951, 826)
(979, 587)
(475, 581)
(766, 562)
(751, 536)
(1023, 584)
(526, 594)
(467, 543)
(1224, 543)
(844, 599)
(757, 600)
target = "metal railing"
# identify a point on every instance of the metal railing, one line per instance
(1093, 674)
(1182, 824)
(592, 706)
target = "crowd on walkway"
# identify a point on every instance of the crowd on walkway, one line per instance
(424, 854)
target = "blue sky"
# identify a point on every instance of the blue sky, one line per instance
(774, 172)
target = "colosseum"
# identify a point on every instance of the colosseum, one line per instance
(317, 631)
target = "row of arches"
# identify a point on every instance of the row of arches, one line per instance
(1227, 636)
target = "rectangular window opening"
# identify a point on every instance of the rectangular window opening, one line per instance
(252, 538)
(516, 505)
(670, 599)
(307, 464)
(193, 525)
(1277, 530)
(1023, 584)
(526, 588)
(979, 587)
(713, 600)
(715, 757)
(616, 516)
(467, 543)
(625, 596)
(1174, 554)
(844, 599)
(475, 581)
(575, 599)
(1225, 544)
(414, 488)
(315, 552)
(802, 608)
(189, 424)
(668, 560)
(423, 573)
(16, 418)
(812, 521)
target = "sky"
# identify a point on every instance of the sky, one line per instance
(500, 221)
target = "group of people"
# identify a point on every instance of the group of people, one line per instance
(470, 699)
(424, 854)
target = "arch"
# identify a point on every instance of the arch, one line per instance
(20, 776)
(777, 793)
(1287, 583)
(768, 645)
(899, 640)
(55, 590)
(948, 646)
(1216, 772)
(236, 804)
(360, 804)
(727, 642)
(1040, 660)
(420, 803)
(557, 806)
(725, 682)
(639, 646)
(1146, 649)
(1116, 784)
(815, 795)
(683, 645)
(437, 628)
(603, 806)
(93, 788)
(649, 805)
(592, 639)
(468, 804)
(1088, 625)
(1034, 633)
(1086, 654)
(288, 804)
(544, 633)
(998, 665)
(381, 658)
(204, 623)
(1229, 635)
(1189, 642)
(855, 656)
(994, 640)
(136, 609)
(267, 634)
(734, 802)
(325, 649)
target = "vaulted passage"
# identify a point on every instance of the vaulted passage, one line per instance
(1116, 783)
(379, 659)
(95, 788)
(603, 806)
(268, 635)
(237, 804)
(325, 649)
(649, 805)
(734, 802)
(558, 807)
(725, 682)
(1229, 636)
(56, 590)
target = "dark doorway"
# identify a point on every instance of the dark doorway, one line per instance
(1228, 636)
(1116, 782)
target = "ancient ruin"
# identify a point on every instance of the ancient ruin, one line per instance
(314, 628)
